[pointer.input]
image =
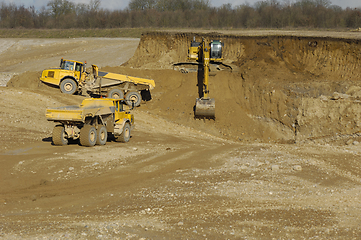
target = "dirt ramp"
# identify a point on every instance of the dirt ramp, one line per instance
(174, 99)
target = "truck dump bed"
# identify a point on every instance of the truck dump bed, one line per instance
(125, 78)
(88, 108)
(109, 79)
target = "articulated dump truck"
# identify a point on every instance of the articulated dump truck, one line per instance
(91, 122)
(72, 78)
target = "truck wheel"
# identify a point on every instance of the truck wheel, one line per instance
(116, 94)
(125, 136)
(68, 86)
(59, 136)
(102, 136)
(131, 97)
(88, 136)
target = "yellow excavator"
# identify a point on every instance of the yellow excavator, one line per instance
(205, 53)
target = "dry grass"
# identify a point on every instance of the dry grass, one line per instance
(137, 32)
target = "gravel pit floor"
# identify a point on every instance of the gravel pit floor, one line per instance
(171, 181)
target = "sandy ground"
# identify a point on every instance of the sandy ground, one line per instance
(177, 178)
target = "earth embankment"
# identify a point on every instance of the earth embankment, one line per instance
(282, 88)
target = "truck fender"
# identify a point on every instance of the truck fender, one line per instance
(118, 128)
(71, 77)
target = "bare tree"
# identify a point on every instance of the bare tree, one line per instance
(94, 5)
(61, 7)
(141, 4)
(181, 13)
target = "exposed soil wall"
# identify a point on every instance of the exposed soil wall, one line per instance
(282, 88)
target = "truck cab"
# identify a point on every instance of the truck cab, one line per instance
(67, 76)
(74, 66)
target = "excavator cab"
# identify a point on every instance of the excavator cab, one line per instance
(216, 50)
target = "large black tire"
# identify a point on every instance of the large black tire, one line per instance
(68, 86)
(133, 97)
(88, 136)
(116, 94)
(125, 136)
(59, 136)
(102, 136)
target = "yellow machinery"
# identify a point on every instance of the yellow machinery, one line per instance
(72, 77)
(205, 54)
(91, 122)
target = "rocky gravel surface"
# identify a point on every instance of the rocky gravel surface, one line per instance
(257, 191)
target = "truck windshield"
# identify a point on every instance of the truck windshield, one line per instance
(118, 106)
(67, 65)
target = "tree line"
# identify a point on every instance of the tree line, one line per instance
(63, 14)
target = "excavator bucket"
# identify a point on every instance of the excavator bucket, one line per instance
(205, 108)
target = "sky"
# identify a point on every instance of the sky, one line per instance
(121, 4)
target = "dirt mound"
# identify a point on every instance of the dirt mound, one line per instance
(279, 79)
(25, 80)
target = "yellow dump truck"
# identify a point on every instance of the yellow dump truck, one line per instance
(71, 77)
(91, 122)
